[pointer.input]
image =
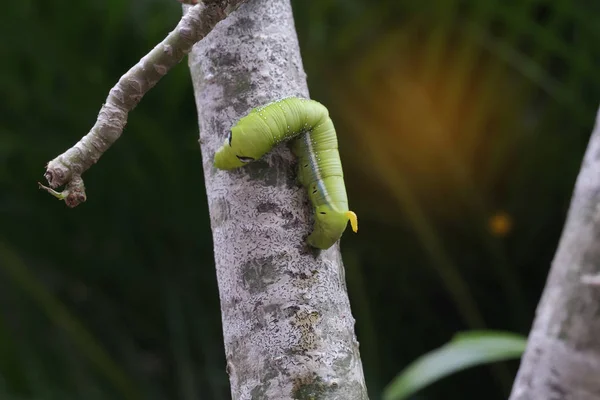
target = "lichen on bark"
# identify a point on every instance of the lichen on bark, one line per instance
(287, 324)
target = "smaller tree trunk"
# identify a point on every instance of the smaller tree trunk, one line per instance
(562, 360)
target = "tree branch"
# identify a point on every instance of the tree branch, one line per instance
(67, 168)
(562, 360)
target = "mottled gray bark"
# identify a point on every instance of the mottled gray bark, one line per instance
(562, 360)
(287, 324)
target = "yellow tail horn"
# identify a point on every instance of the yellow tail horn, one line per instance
(353, 221)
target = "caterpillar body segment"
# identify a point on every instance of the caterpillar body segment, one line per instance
(315, 145)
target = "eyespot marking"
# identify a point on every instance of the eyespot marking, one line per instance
(245, 159)
(322, 212)
(230, 137)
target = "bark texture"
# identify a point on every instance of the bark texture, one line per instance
(562, 360)
(287, 324)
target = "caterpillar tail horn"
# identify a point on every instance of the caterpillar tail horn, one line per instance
(353, 220)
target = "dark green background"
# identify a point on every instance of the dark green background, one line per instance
(448, 113)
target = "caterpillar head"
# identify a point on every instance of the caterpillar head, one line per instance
(243, 145)
(329, 226)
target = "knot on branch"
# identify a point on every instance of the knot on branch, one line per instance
(57, 174)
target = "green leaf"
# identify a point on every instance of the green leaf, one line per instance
(466, 349)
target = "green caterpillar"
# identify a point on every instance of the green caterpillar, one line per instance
(319, 165)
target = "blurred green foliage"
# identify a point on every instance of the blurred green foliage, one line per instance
(465, 350)
(462, 125)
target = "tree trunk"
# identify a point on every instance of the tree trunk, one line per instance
(287, 324)
(562, 360)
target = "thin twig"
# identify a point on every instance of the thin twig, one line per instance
(67, 168)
